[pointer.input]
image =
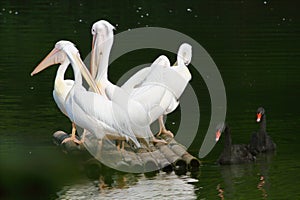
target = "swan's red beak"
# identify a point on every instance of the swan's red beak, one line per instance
(258, 117)
(218, 135)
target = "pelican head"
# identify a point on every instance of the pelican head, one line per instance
(185, 53)
(102, 27)
(56, 56)
(64, 44)
(66, 50)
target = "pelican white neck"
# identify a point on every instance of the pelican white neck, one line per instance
(102, 32)
(77, 64)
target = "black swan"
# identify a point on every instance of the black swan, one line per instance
(232, 153)
(260, 140)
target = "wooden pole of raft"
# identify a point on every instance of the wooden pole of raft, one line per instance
(109, 155)
(192, 162)
(179, 165)
(150, 164)
(163, 163)
(135, 162)
(122, 160)
(172, 156)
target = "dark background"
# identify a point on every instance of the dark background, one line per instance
(255, 45)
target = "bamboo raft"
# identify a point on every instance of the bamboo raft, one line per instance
(165, 157)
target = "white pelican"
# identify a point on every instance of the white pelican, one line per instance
(101, 118)
(61, 86)
(149, 98)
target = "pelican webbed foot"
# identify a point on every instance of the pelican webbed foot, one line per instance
(166, 132)
(73, 136)
(161, 141)
(75, 140)
(162, 128)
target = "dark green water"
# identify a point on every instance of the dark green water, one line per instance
(255, 45)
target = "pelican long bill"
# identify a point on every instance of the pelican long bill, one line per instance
(57, 56)
(54, 57)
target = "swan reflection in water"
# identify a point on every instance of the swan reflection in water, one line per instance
(234, 177)
(220, 192)
(260, 187)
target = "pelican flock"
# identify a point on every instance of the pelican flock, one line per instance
(107, 110)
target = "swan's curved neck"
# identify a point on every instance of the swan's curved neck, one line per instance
(228, 141)
(263, 124)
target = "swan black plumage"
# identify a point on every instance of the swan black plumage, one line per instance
(260, 141)
(232, 153)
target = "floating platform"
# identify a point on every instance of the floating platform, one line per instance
(165, 157)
